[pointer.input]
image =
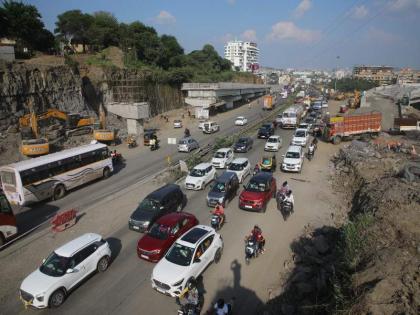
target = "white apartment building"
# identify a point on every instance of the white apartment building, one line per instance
(243, 55)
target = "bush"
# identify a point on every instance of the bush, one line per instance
(224, 142)
(73, 64)
(193, 160)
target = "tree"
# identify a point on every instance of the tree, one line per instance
(23, 22)
(104, 30)
(146, 42)
(171, 50)
(72, 26)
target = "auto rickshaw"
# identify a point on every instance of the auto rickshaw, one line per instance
(131, 141)
(268, 163)
(148, 134)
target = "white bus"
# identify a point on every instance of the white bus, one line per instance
(53, 174)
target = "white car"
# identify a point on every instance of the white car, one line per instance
(301, 137)
(177, 123)
(305, 125)
(324, 104)
(187, 258)
(222, 158)
(200, 176)
(241, 167)
(210, 127)
(273, 143)
(293, 159)
(241, 121)
(64, 269)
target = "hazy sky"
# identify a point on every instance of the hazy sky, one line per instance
(289, 33)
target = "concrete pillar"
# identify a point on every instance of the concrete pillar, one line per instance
(135, 126)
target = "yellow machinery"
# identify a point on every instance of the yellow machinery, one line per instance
(354, 101)
(35, 145)
(73, 120)
(103, 134)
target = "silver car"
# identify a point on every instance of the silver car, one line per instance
(187, 144)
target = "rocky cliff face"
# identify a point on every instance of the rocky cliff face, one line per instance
(46, 87)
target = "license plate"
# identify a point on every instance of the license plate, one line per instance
(136, 227)
(160, 290)
(144, 256)
(248, 207)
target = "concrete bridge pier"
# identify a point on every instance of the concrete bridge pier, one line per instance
(134, 113)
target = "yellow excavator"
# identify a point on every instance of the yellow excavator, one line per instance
(32, 143)
(354, 101)
(103, 134)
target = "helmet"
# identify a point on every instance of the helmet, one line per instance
(220, 303)
(191, 284)
(285, 184)
(289, 193)
(256, 227)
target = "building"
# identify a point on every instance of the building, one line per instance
(408, 75)
(381, 74)
(7, 49)
(243, 55)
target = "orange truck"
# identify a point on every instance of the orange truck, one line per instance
(268, 102)
(355, 125)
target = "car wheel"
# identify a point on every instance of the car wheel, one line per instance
(103, 264)
(179, 208)
(107, 172)
(217, 255)
(57, 298)
(59, 192)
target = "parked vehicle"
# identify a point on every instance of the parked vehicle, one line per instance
(201, 175)
(268, 103)
(244, 144)
(241, 167)
(27, 181)
(164, 200)
(187, 144)
(187, 258)
(293, 159)
(265, 131)
(223, 190)
(273, 144)
(347, 127)
(301, 137)
(177, 123)
(268, 163)
(163, 233)
(241, 121)
(258, 192)
(222, 158)
(210, 127)
(64, 269)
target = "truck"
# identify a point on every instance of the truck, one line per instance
(347, 127)
(291, 117)
(268, 102)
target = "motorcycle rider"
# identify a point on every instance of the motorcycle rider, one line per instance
(284, 189)
(220, 212)
(221, 307)
(311, 149)
(190, 295)
(289, 198)
(256, 233)
(187, 133)
(256, 168)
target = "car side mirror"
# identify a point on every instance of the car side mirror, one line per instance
(44, 260)
(197, 260)
(71, 270)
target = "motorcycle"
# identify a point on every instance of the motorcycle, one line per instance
(155, 146)
(217, 221)
(189, 309)
(190, 306)
(117, 159)
(286, 207)
(251, 249)
(131, 143)
(310, 154)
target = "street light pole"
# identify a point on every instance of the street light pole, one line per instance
(335, 74)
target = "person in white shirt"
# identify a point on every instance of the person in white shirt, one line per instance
(221, 307)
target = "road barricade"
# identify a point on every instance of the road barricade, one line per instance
(63, 220)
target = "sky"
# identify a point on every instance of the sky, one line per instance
(301, 34)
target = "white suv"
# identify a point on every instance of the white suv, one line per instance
(241, 167)
(293, 159)
(273, 143)
(200, 176)
(301, 137)
(187, 258)
(64, 269)
(222, 158)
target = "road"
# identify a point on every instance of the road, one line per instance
(125, 288)
(140, 163)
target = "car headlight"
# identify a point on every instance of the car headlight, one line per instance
(146, 223)
(40, 297)
(221, 199)
(178, 283)
(156, 251)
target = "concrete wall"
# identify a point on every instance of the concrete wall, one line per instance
(7, 53)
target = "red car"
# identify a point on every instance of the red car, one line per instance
(161, 235)
(258, 192)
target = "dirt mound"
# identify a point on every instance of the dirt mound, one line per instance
(370, 264)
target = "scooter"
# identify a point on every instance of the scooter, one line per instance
(310, 154)
(217, 221)
(251, 249)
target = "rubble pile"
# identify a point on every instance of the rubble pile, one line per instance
(381, 186)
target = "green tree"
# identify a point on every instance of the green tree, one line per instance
(146, 42)
(104, 30)
(72, 27)
(171, 50)
(4, 23)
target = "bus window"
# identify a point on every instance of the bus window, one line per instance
(4, 205)
(8, 178)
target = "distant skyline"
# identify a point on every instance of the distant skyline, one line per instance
(298, 34)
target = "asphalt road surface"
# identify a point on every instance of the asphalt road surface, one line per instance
(125, 288)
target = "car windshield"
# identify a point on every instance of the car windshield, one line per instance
(219, 187)
(300, 134)
(197, 173)
(183, 141)
(159, 231)
(236, 167)
(266, 161)
(55, 265)
(242, 141)
(239, 118)
(219, 155)
(256, 186)
(272, 140)
(180, 255)
(292, 155)
(148, 205)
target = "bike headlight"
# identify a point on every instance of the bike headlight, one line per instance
(178, 283)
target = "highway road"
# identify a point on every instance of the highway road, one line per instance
(140, 163)
(125, 288)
